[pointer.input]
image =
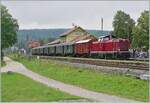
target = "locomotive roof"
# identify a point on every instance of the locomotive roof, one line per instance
(111, 40)
(105, 36)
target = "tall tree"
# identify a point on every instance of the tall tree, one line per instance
(123, 25)
(9, 28)
(141, 31)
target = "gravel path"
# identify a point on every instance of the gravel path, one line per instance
(74, 90)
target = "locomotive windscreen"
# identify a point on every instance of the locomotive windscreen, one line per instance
(123, 45)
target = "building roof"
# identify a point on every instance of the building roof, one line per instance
(33, 41)
(83, 41)
(79, 37)
(71, 30)
(57, 41)
(33, 44)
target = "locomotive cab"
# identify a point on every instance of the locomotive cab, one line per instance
(123, 45)
(123, 48)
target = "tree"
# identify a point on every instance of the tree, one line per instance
(123, 25)
(9, 28)
(141, 31)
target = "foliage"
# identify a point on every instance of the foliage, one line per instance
(9, 28)
(141, 31)
(123, 25)
(18, 88)
(89, 79)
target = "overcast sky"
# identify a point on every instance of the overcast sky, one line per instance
(61, 14)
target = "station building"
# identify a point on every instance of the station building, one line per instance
(73, 35)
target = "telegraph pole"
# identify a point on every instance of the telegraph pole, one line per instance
(102, 24)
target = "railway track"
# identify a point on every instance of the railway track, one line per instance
(139, 65)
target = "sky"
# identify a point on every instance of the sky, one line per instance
(62, 14)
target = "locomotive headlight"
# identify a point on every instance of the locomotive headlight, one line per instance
(118, 49)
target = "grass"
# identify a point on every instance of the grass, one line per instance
(120, 85)
(16, 87)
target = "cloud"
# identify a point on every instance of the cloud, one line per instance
(61, 14)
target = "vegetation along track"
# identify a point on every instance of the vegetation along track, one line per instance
(141, 65)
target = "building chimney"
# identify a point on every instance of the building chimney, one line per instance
(73, 24)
